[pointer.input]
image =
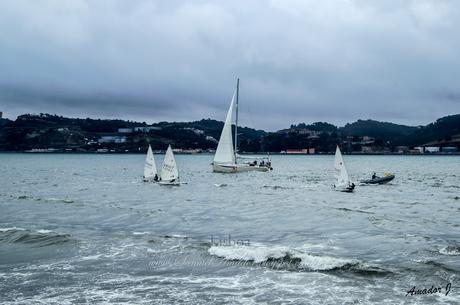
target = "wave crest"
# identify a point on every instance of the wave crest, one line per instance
(280, 258)
(39, 238)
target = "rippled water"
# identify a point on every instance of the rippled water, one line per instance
(86, 229)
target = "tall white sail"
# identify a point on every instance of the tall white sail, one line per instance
(169, 170)
(338, 160)
(340, 168)
(225, 152)
(150, 168)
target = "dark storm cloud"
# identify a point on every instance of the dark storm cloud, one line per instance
(298, 60)
(77, 102)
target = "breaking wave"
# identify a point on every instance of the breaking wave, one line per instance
(278, 257)
(39, 238)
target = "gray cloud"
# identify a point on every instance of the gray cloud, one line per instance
(298, 60)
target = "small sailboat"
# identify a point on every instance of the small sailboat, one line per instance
(226, 159)
(169, 173)
(150, 168)
(343, 183)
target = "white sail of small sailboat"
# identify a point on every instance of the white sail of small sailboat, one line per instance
(169, 172)
(343, 180)
(226, 158)
(224, 152)
(150, 168)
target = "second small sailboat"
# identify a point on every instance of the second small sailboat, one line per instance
(169, 172)
(343, 183)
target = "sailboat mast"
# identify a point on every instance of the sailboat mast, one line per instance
(236, 116)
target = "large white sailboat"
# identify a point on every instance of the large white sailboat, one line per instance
(343, 183)
(226, 159)
(150, 168)
(169, 172)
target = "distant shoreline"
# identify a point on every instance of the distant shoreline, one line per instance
(46, 133)
(207, 153)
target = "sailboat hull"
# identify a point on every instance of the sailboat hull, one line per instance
(345, 188)
(379, 180)
(238, 168)
(169, 183)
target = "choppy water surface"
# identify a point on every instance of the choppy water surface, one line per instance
(85, 229)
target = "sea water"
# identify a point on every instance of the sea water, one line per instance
(86, 229)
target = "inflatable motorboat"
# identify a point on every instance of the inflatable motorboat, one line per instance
(379, 180)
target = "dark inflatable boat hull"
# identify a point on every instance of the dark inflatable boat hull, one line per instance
(379, 180)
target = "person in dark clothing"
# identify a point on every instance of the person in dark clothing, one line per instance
(374, 176)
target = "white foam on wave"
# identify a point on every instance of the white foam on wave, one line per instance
(150, 250)
(450, 250)
(261, 254)
(141, 233)
(43, 231)
(323, 262)
(309, 246)
(64, 200)
(11, 229)
(91, 257)
(248, 253)
(176, 236)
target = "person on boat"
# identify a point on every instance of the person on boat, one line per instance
(374, 176)
(351, 186)
(262, 163)
(156, 179)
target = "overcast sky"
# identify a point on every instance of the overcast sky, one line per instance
(298, 60)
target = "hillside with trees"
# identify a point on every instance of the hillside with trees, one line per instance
(45, 131)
